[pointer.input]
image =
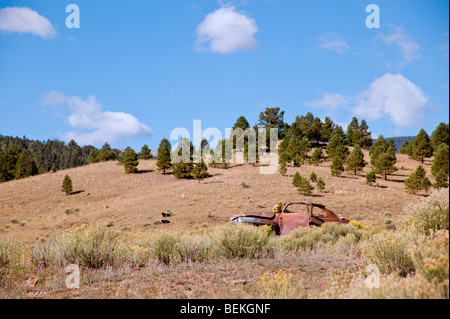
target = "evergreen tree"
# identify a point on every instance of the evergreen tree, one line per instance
(440, 135)
(327, 130)
(316, 157)
(371, 177)
(378, 147)
(238, 132)
(303, 185)
(385, 164)
(200, 171)
(21, 165)
(66, 186)
(320, 185)
(296, 180)
(313, 177)
(183, 159)
(272, 118)
(441, 180)
(352, 131)
(131, 161)
(94, 156)
(106, 153)
(283, 169)
(404, 148)
(297, 149)
(337, 147)
(440, 167)
(8, 160)
(145, 153)
(417, 181)
(315, 132)
(356, 162)
(421, 148)
(337, 166)
(163, 160)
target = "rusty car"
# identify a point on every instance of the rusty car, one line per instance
(291, 216)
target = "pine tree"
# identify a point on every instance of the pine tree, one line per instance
(163, 160)
(441, 180)
(421, 148)
(131, 162)
(404, 148)
(106, 153)
(183, 159)
(440, 135)
(356, 162)
(283, 169)
(440, 167)
(145, 153)
(371, 178)
(316, 157)
(297, 149)
(305, 187)
(417, 181)
(385, 164)
(94, 156)
(378, 147)
(8, 159)
(200, 171)
(337, 166)
(316, 130)
(66, 186)
(313, 177)
(320, 185)
(327, 130)
(296, 179)
(336, 146)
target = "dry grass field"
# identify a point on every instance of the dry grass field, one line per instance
(35, 207)
(34, 211)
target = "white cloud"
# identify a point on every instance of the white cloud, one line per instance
(25, 20)
(226, 31)
(409, 49)
(333, 41)
(391, 96)
(94, 126)
(395, 96)
(330, 102)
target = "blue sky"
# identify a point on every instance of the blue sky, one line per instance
(135, 70)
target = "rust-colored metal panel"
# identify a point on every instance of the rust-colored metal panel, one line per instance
(289, 222)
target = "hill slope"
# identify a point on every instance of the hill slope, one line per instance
(35, 207)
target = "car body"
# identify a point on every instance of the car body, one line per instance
(292, 216)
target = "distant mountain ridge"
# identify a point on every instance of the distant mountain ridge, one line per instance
(399, 141)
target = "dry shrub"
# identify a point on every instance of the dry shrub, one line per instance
(431, 259)
(430, 214)
(177, 247)
(94, 247)
(242, 241)
(390, 251)
(281, 286)
(329, 235)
